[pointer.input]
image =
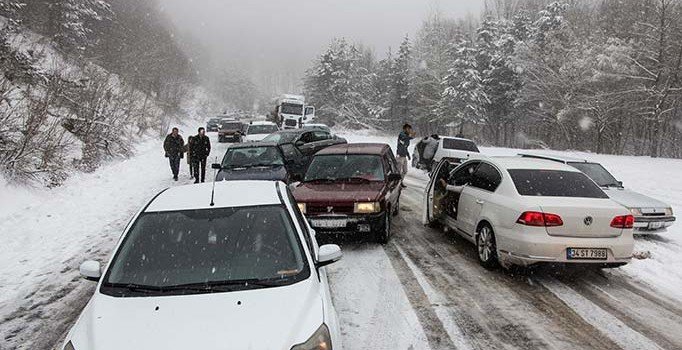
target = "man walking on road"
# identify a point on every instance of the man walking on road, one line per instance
(403, 154)
(174, 146)
(199, 150)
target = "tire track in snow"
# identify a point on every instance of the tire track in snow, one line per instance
(659, 322)
(434, 329)
(439, 304)
(619, 332)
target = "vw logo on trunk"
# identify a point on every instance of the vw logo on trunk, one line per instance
(588, 220)
(330, 209)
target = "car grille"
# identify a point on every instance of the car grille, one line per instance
(329, 209)
(290, 122)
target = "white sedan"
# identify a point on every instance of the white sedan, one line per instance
(232, 272)
(522, 211)
(258, 130)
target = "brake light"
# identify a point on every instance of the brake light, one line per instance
(623, 221)
(536, 218)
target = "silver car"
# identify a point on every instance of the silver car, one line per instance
(651, 215)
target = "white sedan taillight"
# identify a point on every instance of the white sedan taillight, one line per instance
(623, 221)
(536, 218)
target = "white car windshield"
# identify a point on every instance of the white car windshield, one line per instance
(261, 129)
(191, 251)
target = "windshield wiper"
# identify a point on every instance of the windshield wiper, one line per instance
(134, 287)
(354, 178)
(222, 285)
(321, 180)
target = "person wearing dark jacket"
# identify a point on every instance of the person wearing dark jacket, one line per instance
(403, 143)
(199, 149)
(189, 158)
(174, 146)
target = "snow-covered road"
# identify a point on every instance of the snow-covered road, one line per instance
(424, 290)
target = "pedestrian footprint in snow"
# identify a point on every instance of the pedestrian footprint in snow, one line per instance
(174, 146)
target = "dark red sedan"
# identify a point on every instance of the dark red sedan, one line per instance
(351, 188)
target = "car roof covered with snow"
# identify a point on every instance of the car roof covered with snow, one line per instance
(356, 148)
(261, 122)
(227, 194)
(516, 162)
(556, 158)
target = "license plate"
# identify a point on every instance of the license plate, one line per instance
(655, 225)
(586, 253)
(336, 223)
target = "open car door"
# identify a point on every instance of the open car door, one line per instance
(427, 202)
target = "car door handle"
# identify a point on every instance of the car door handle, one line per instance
(479, 201)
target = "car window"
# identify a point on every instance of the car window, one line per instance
(171, 249)
(280, 137)
(392, 162)
(232, 126)
(461, 176)
(290, 151)
(307, 137)
(554, 183)
(458, 144)
(486, 177)
(597, 173)
(320, 136)
(345, 167)
(261, 129)
(245, 157)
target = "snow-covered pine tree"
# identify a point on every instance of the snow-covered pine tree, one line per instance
(401, 100)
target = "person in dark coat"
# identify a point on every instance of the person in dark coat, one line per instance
(189, 158)
(403, 154)
(174, 146)
(199, 150)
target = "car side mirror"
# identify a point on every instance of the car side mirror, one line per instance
(216, 166)
(328, 254)
(91, 270)
(620, 183)
(394, 177)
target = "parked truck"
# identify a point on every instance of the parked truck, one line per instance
(292, 111)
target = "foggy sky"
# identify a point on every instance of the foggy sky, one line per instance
(262, 37)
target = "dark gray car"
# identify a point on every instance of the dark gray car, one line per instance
(253, 161)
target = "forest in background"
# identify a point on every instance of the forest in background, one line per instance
(594, 75)
(81, 81)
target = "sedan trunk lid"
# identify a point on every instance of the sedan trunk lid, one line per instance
(582, 217)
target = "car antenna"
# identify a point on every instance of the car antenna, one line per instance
(213, 187)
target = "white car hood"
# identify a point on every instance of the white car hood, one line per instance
(256, 137)
(270, 318)
(632, 199)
